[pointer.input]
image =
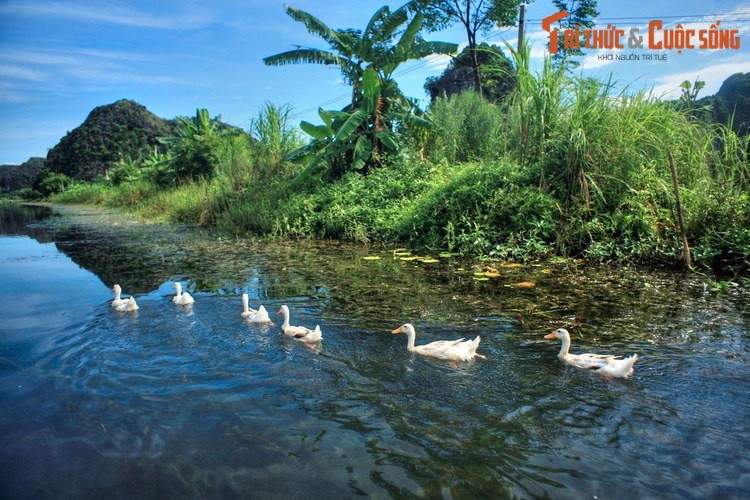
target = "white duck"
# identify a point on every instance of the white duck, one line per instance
(181, 299)
(607, 365)
(253, 316)
(118, 301)
(299, 332)
(447, 350)
(128, 306)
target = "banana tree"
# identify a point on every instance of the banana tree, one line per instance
(361, 136)
(366, 128)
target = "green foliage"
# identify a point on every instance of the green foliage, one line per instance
(195, 150)
(482, 209)
(52, 183)
(275, 138)
(581, 15)
(466, 127)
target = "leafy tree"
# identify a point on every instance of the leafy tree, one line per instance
(581, 14)
(195, 150)
(52, 183)
(363, 133)
(477, 17)
(495, 72)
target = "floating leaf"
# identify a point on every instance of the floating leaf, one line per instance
(525, 284)
(547, 271)
(430, 261)
(479, 274)
(409, 258)
(371, 257)
(482, 278)
(446, 255)
(490, 274)
(512, 264)
(399, 254)
(401, 250)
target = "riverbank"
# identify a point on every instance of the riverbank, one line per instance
(488, 210)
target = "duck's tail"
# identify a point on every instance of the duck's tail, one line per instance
(623, 368)
(474, 345)
(316, 335)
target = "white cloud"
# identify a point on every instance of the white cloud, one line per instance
(668, 86)
(437, 62)
(20, 72)
(110, 12)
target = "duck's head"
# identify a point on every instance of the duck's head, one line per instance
(406, 328)
(177, 286)
(117, 289)
(560, 333)
(284, 310)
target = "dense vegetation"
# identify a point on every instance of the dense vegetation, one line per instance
(561, 166)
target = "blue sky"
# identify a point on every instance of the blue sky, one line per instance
(59, 59)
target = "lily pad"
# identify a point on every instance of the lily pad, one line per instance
(371, 257)
(481, 278)
(401, 254)
(446, 255)
(409, 258)
(430, 261)
(490, 274)
(525, 284)
(512, 264)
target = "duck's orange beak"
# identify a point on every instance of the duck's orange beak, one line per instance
(550, 336)
(397, 330)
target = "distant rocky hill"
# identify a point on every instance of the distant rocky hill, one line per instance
(124, 129)
(732, 101)
(15, 177)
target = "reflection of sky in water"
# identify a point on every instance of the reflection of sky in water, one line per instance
(175, 401)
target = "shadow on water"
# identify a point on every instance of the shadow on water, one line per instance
(176, 402)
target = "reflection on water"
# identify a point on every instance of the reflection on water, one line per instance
(178, 402)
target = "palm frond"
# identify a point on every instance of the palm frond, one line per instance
(314, 25)
(313, 56)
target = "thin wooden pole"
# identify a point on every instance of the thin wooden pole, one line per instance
(678, 205)
(521, 20)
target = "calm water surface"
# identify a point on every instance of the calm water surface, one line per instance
(172, 402)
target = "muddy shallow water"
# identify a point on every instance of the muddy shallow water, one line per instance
(195, 402)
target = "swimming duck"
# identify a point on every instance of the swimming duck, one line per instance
(607, 365)
(253, 316)
(299, 332)
(181, 299)
(118, 301)
(128, 306)
(448, 350)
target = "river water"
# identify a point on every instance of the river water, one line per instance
(172, 402)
